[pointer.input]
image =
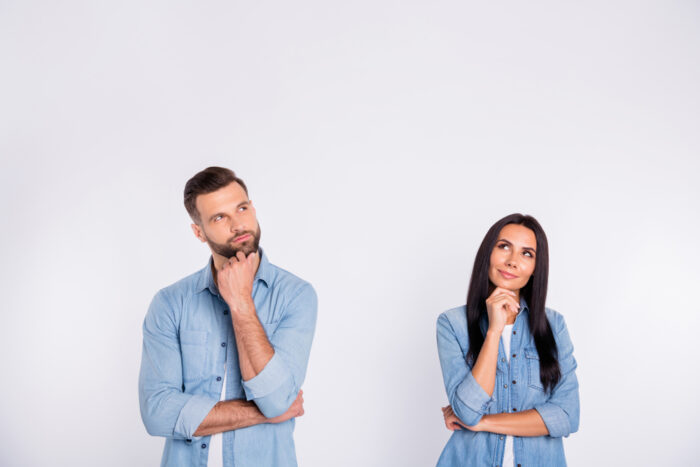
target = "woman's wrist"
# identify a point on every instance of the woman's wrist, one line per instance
(483, 424)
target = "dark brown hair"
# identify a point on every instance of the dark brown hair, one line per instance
(207, 181)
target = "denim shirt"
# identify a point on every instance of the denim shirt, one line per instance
(189, 344)
(518, 387)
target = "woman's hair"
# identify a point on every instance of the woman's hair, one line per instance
(534, 293)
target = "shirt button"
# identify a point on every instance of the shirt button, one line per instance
(204, 445)
(514, 409)
(218, 378)
(513, 381)
(225, 312)
(513, 332)
(513, 355)
(503, 360)
(500, 437)
(223, 344)
(505, 385)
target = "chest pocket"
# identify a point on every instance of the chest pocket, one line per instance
(193, 345)
(533, 368)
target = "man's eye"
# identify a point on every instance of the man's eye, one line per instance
(243, 208)
(218, 218)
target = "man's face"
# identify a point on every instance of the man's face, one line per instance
(228, 222)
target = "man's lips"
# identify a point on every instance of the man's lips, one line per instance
(507, 275)
(241, 238)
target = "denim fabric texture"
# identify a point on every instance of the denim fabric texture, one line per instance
(188, 343)
(518, 388)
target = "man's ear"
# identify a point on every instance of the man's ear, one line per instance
(199, 233)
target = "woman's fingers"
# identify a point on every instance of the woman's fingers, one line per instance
(507, 302)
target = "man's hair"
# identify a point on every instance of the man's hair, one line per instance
(207, 181)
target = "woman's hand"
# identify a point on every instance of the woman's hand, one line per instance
(451, 421)
(500, 306)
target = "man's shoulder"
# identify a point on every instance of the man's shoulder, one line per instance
(185, 287)
(288, 282)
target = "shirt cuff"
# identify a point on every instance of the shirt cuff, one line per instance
(473, 395)
(194, 411)
(555, 419)
(267, 381)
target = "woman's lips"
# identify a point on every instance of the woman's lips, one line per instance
(507, 275)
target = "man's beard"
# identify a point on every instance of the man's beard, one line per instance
(247, 247)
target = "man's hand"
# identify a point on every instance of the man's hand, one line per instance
(296, 410)
(235, 280)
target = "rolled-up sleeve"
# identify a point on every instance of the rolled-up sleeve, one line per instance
(165, 409)
(468, 399)
(275, 388)
(561, 411)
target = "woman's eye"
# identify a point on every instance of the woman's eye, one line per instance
(503, 246)
(528, 253)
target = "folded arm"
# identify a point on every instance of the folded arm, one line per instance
(166, 409)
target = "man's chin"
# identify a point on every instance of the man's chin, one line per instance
(246, 249)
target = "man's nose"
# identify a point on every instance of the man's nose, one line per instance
(237, 225)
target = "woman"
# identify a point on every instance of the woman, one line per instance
(506, 360)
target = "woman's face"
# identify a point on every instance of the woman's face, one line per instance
(513, 257)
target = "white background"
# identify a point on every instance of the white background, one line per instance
(379, 140)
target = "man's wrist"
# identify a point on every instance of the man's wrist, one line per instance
(241, 305)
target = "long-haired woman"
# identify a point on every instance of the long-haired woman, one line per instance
(507, 361)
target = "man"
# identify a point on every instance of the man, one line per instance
(225, 349)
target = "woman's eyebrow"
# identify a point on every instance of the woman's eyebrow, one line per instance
(511, 243)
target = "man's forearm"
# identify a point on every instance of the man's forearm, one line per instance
(254, 349)
(230, 415)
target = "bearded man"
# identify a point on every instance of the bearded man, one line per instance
(225, 349)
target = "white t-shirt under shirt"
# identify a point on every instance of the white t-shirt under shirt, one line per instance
(508, 454)
(216, 445)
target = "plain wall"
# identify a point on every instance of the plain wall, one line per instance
(379, 140)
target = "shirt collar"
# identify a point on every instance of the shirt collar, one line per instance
(206, 277)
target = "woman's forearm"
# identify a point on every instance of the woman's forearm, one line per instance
(526, 423)
(484, 370)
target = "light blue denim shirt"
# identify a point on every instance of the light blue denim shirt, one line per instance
(518, 387)
(188, 343)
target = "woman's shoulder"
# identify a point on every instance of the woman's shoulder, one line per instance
(454, 316)
(556, 320)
